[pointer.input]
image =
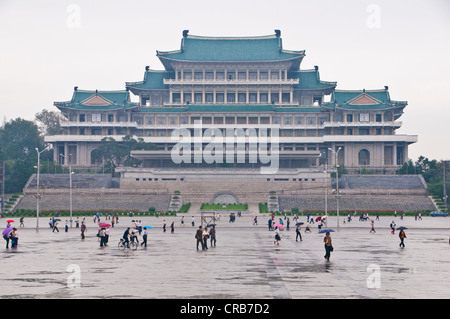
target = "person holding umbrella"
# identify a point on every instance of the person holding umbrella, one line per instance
(328, 246)
(277, 235)
(402, 236)
(297, 231)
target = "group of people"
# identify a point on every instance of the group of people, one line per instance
(203, 234)
(11, 235)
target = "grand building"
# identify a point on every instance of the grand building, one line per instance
(240, 89)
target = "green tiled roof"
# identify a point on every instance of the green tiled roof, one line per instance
(231, 49)
(104, 100)
(231, 108)
(310, 80)
(348, 99)
(153, 80)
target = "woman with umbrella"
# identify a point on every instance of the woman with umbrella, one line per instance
(277, 234)
(328, 245)
(402, 236)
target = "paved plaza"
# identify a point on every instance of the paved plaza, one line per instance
(245, 264)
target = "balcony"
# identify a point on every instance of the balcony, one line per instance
(230, 82)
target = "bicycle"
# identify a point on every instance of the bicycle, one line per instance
(131, 245)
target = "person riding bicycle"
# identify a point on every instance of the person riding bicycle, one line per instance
(125, 236)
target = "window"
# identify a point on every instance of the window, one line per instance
(96, 117)
(231, 75)
(364, 157)
(311, 120)
(82, 117)
(187, 97)
(263, 75)
(209, 97)
(349, 131)
(161, 120)
(276, 120)
(242, 97)
(183, 120)
(187, 75)
(253, 75)
(242, 76)
(172, 120)
(288, 120)
(209, 75)
(198, 97)
(220, 97)
(364, 131)
(150, 121)
(274, 97)
(220, 75)
(198, 76)
(231, 97)
(264, 97)
(378, 117)
(176, 97)
(110, 118)
(349, 117)
(299, 120)
(253, 97)
(286, 97)
(274, 75)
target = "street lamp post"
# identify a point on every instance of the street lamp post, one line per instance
(337, 182)
(70, 186)
(326, 194)
(38, 195)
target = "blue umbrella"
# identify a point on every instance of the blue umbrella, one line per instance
(326, 231)
(148, 227)
(299, 224)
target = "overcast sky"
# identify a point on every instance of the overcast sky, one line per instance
(48, 47)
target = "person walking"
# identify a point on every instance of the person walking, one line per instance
(193, 222)
(77, 222)
(270, 223)
(372, 230)
(298, 233)
(392, 225)
(164, 225)
(172, 228)
(144, 238)
(198, 236)
(107, 234)
(212, 234)
(277, 236)
(402, 237)
(55, 227)
(102, 237)
(205, 235)
(328, 246)
(83, 229)
(21, 222)
(66, 226)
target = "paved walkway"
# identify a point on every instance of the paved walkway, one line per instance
(245, 263)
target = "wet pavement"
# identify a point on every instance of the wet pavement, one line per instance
(244, 264)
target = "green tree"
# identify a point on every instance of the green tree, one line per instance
(19, 139)
(49, 122)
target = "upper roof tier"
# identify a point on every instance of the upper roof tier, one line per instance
(230, 49)
(365, 100)
(98, 100)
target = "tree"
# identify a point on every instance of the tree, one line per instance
(113, 153)
(49, 122)
(19, 139)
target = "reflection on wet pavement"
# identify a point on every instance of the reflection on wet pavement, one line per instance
(245, 263)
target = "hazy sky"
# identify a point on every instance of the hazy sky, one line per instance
(48, 47)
